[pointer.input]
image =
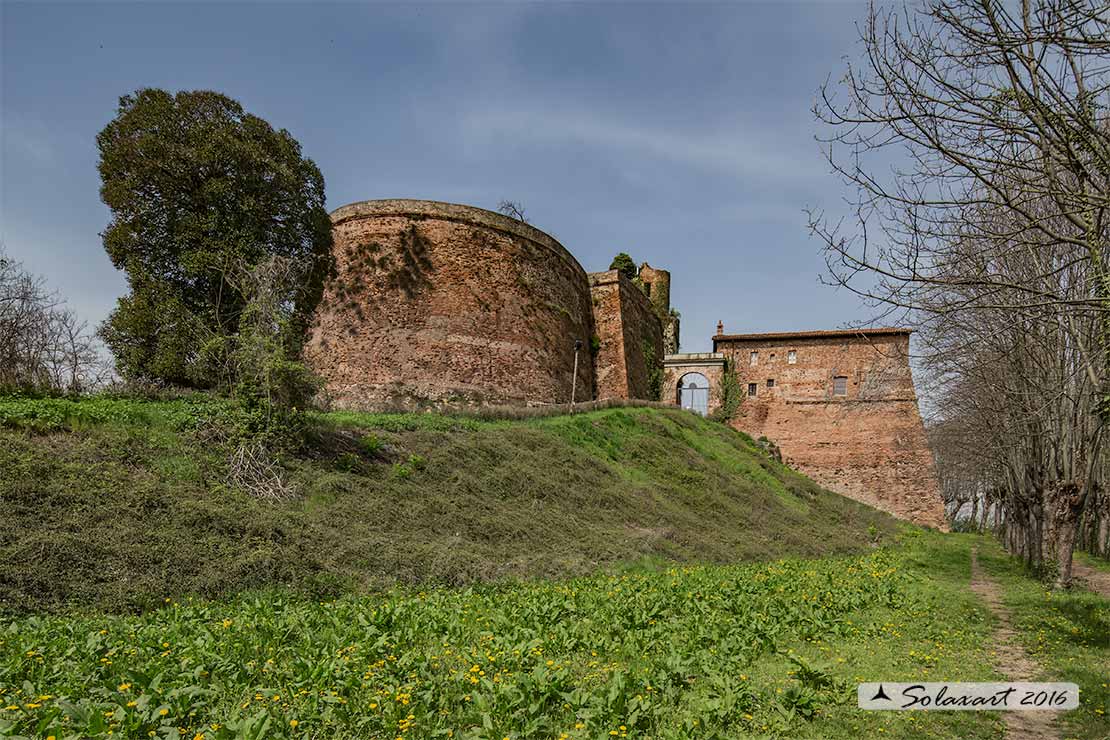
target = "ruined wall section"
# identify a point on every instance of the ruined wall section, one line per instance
(657, 285)
(436, 304)
(868, 443)
(630, 335)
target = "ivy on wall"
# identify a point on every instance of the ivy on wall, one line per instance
(731, 394)
(654, 371)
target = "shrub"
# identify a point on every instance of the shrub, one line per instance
(625, 265)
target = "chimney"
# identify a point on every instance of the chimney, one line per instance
(720, 328)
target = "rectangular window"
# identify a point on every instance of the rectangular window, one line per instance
(751, 389)
(840, 385)
(791, 357)
(770, 382)
(753, 358)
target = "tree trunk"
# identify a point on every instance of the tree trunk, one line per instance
(1102, 541)
(1065, 546)
(1065, 510)
(1034, 537)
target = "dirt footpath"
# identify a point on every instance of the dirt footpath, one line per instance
(1011, 660)
(1096, 580)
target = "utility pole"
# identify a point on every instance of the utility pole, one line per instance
(574, 378)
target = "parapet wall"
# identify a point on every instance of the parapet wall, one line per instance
(442, 304)
(861, 435)
(630, 334)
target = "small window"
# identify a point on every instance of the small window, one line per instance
(772, 357)
(840, 385)
(753, 358)
(770, 382)
(791, 357)
(751, 389)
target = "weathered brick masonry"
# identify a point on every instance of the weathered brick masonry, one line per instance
(676, 367)
(435, 303)
(657, 285)
(630, 335)
(841, 406)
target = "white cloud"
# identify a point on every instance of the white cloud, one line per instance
(738, 152)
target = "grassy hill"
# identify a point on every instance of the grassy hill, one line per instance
(120, 503)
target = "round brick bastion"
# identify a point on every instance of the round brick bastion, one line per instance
(438, 304)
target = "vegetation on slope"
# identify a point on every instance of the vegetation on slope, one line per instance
(748, 650)
(120, 503)
(660, 654)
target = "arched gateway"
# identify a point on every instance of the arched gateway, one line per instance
(693, 393)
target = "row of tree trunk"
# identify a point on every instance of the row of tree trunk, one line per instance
(975, 135)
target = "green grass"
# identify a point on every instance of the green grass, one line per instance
(462, 577)
(753, 650)
(1098, 563)
(117, 503)
(1067, 633)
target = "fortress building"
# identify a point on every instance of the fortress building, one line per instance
(441, 305)
(435, 304)
(840, 405)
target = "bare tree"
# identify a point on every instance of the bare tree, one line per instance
(974, 135)
(975, 99)
(512, 209)
(43, 345)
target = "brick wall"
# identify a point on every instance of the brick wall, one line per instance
(869, 443)
(437, 304)
(658, 285)
(711, 366)
(625, 322)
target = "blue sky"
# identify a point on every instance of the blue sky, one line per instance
(681, 134)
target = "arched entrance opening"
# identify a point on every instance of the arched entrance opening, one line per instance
(693, 393)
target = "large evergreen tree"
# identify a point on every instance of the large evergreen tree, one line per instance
(200, 192)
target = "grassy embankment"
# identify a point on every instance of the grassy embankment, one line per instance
(119, 503)
(648, 650)
(767, 649)
(752, 650)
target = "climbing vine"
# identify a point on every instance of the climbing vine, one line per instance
(731, 395)
(654, 371)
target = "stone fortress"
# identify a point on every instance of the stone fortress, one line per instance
(437, 305)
